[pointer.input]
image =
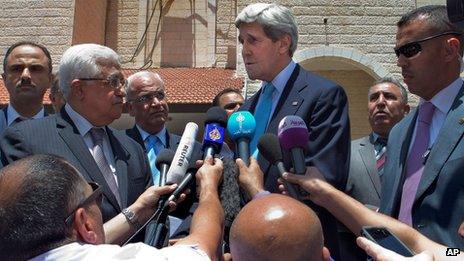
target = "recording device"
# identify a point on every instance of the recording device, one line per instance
(294, 137)
(269, 147)
(183, 154)
(386, 239)
(213, 138)
(455, 10)
(188, 178)
(241, 127)
(162, 163)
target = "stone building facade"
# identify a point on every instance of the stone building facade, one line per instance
(348, 41)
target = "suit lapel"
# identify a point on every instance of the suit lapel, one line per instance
(72, 138)
(450, 134)
(366, 150)
(289, 101)
(121, 158)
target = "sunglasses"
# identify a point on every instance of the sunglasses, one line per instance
(96, 197)
(412, 49)
(115, 81)
(232, 105)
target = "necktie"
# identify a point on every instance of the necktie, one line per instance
(97, 135)
(415, 162)
(262, 114)
(17, 120)
(381, 149)
(154, 146)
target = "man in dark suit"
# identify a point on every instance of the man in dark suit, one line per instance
(92, 82)
(27, 73)
(387, 105)
(423, 181)
(147, 103)
(269, 36)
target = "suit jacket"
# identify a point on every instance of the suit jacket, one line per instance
(363, 185)
(58, 135)
(363, 179)
(437, 211)
(323, 106)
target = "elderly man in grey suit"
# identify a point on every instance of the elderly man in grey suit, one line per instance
(387, 105)
(92, 84)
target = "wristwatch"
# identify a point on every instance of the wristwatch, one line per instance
(131, 218)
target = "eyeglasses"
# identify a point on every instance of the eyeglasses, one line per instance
(149, 97)
(115, 81)
(411, 49)
(232, 105)
(96, 196)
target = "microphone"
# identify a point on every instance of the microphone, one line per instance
(188, 178)
(162, 163)
(294, 137)
(269, 147)
(183, 154)
(213, 138)
(241, 127)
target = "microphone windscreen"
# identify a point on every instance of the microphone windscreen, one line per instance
(183, 154)
(293, 132)
(269, 147)
(164, 157)
(241, 124)
(216, 115)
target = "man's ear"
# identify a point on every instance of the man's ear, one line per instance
(452, 49)
(285, 43)
(76, 89)
(85, 227)
(325, 254)
(407, 108)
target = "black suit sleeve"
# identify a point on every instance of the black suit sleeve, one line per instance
(329, 136)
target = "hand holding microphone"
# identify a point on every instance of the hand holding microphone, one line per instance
(269, 147)
(241, 127)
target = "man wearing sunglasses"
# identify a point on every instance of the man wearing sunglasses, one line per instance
(422, 180)
(92, 84)
(49, 212)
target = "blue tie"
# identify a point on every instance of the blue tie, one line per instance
(262, 114)
(153, 149)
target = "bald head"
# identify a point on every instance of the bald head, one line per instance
(274, 227)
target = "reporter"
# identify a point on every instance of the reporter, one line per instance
(354, 215)
(48, 211)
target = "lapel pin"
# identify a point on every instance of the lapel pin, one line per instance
(461, 121)
(295, 103)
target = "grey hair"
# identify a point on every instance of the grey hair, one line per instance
(276, 21)
(404, 93)
(80, 61)
(143, 75)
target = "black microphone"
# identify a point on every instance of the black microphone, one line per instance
(215, 124)
(162, 163)
(188, 178)
(269, 147)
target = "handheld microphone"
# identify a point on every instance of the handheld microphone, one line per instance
(183, 154)
(294, 137)
(241, 127)
(188, 178)
(269, 147)
(215, 123)
(162, 163)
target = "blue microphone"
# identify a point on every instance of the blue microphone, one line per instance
(241, 127)
(213, 137)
